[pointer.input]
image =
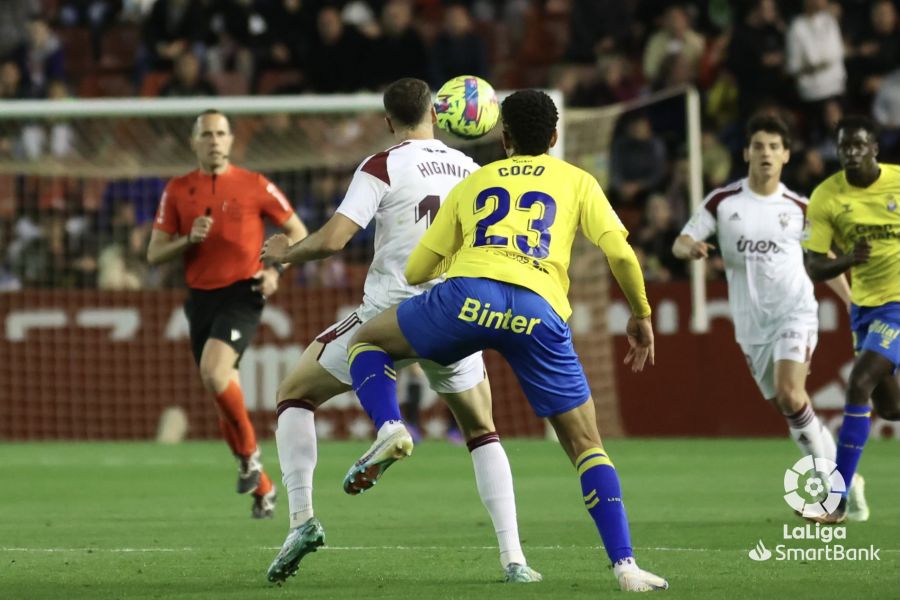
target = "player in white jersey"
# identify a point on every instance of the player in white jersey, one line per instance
(402, 189)
(759, 224)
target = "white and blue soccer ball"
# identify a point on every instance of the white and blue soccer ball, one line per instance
(467, 106)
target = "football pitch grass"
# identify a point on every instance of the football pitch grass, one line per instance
(140, 520)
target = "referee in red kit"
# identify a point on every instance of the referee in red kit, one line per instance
(214, 217)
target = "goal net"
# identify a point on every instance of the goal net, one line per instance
(95, 343)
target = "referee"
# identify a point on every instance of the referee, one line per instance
(214, 217)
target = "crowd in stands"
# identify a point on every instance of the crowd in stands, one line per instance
(811, 61)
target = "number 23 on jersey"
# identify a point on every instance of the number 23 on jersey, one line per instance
(495, 202)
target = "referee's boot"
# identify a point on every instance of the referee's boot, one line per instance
(249, 472)
(392, 444)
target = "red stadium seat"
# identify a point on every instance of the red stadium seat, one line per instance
(105, 85)
(274, 79)
(119, 47)
(153, 83)
(230, 84)
(79, 58)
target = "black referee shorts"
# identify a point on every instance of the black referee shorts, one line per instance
(230, 314)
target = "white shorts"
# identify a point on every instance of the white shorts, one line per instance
(793, 341)
(454, 378)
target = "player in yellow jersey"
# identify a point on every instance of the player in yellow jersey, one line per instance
(506, 233)
(858, 210)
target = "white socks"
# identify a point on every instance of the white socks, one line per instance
(495, 486)
(810, 435)
(297, 453)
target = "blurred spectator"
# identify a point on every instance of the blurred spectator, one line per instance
(51, 137)
(815, 53)
(824, 140)
(400, 51)
(121, 263)
(458, 50)
(655, 238)
(40, 58)
(716, 161)
(674, 39)
(172, 28)
(11, 81)
(638, 162)
(290, 29)
(337, 55)
(96, 15)
(875, 52)
(53, 258)
(14, 16)
(887, 102)
(808, 172)
(233, 28)
(756, 57)
(597, 28)
(886, 109)
(612, 82)
(186, 80)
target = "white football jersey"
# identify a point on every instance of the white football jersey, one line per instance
(759, 238)
(402, 188)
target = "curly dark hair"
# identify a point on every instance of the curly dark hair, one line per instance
(529, 119)
(769, 124)
(407, 101)
(851, 122)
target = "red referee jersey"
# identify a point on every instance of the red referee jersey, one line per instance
(236, 200)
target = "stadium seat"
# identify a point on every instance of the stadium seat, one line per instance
(272, 80)
(77, 50)
(230, 84)
(153, 83)
(105, 85)
(119, 47)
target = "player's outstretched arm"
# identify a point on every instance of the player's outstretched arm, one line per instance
(821, 267)
(330, 239)
(686, 247)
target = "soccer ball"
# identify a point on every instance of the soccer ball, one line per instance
(467, 106)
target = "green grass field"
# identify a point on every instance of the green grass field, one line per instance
(137, 520)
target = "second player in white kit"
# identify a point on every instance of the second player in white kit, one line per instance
(773, 307)
(402, 189)
(759, 224)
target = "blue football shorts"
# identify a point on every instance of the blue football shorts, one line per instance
(464, 315)
(877, 329)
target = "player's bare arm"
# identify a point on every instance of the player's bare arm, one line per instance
(686, 247)
(163, 247)
(330, 239)
(839, 285)
(294, 230)
(821, 267)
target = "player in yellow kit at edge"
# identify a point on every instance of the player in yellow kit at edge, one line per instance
(506, 233)
(858, 210)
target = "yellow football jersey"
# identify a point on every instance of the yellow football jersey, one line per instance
(842, 213)
(515, 220)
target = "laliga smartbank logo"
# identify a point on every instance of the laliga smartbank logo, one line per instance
(813, 488)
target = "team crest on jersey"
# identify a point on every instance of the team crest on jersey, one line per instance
(847, 207)
(891, 203)
(784, 219)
